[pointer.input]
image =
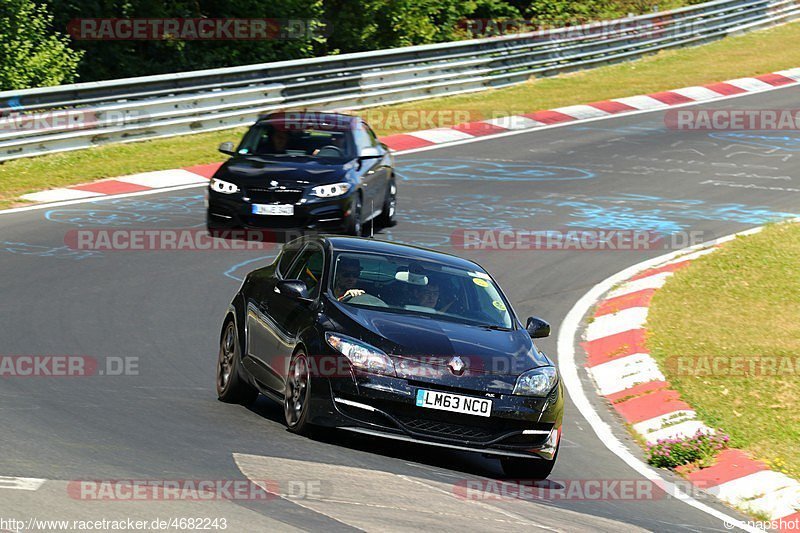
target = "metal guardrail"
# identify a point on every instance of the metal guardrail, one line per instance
(73, 117)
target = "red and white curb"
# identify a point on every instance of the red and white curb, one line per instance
(595, 110)
(461, 133)
(626, 375)
(146, 181)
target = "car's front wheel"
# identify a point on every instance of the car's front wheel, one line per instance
(230, 386)
(386, 219)
(353, 226)
(297, 394)
(519, 468)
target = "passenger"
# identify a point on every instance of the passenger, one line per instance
(426, 295)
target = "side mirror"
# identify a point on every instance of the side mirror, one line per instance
(227, 148)
(294, 289)
(537, 328)
(370, 152)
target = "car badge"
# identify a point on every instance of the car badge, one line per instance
(456, 366)
(273, 183)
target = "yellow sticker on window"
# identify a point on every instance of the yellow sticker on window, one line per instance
(499, 305)
(480, 282)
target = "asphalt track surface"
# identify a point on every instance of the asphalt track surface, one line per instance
(165, 308)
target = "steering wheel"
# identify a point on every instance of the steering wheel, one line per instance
(331, 147)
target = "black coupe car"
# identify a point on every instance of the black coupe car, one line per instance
(393, 341)
(321, 171)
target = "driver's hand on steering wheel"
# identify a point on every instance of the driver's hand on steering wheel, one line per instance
(352, 293)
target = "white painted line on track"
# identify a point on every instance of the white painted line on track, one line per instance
(20, 483)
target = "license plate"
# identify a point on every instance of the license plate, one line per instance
(455, 403)
(285, 210)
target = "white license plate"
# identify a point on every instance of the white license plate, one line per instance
(285, 210)
(455, 403)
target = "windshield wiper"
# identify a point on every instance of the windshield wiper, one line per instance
(493, 327)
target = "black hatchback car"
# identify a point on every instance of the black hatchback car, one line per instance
(326, 172)
(393, 341)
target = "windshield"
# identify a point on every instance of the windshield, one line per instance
(410, 286)
(274, 140)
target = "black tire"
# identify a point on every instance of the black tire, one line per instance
(230, 386)
(296, 395)
(386, 218)
(354, 224)
(535, 469)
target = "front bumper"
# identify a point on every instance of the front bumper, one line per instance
(519, 426)
(235, 211)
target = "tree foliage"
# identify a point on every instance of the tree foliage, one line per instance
(34, 51)
(31, 54)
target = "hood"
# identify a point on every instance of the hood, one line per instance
(304, 170)
(415, 341)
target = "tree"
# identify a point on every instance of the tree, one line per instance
(31, 54)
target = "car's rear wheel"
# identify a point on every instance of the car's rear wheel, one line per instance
(386, 219)
(519, 468)
(297, 394)
(230, 386)
(354, 219)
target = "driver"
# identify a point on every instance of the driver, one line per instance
(347, 274)
(279, 141)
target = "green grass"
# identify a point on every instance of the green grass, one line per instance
(743, 300)
(746, 55)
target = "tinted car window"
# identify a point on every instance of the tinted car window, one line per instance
(288, 255)
(308, 269)
(400, 284)
(362, 138)
(268, 140)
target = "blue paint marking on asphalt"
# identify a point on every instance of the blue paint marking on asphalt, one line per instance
(457, 169)
(60, 252)
(231, 272)
(788, 143)
(182, 210)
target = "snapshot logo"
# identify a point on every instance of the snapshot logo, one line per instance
(183, 239)
(732, 119)
(633, 490)
(583, 239)
(734, 365)
(194, 489)
(195, 29)
(66, 366)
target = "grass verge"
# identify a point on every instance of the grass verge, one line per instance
(725, 333)
(746, 55)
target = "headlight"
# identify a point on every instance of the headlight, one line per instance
(361, 354)
(536, 382)
(223, 186)
(329, 191)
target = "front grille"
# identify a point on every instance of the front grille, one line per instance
(262, 195)
(447, 430)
